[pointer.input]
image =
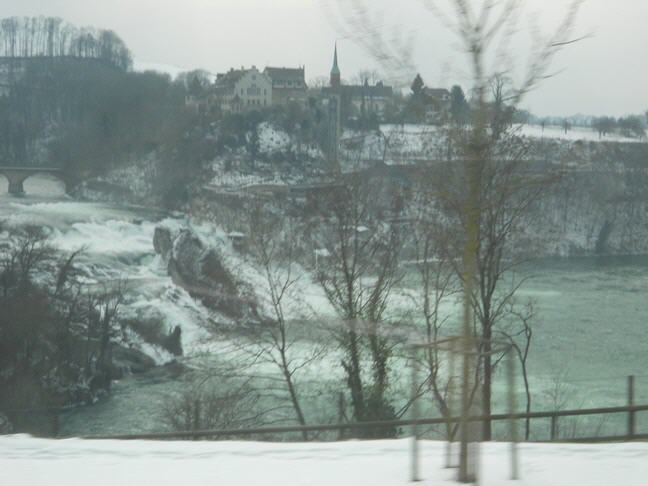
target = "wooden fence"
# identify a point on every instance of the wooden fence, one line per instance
(554, 416)
(52, 416)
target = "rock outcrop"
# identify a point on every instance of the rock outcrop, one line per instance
(202, 271)
(129, 360)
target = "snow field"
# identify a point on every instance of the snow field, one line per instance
(586, 134)
(71, 462)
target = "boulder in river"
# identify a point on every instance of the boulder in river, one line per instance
(129, 360)
(163, 242)
(204, 273)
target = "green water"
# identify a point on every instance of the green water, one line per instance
(589, 334)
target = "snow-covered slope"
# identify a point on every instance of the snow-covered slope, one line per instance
(35, 462)
(407, 144)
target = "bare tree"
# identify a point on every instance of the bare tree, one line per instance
(498, 192)
(370, 76)
(209, 403)
(493, 195)
(51, 37)
(520, 337)
(363, 243)
(318, 82)
(55, 333)
(273, 246)
(438, 284)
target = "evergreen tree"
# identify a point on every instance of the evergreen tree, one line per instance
(459, 109)
(417, 85)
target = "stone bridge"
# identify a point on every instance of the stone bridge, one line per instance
(18, 175)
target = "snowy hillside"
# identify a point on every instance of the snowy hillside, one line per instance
(406, 144)
(75, 462)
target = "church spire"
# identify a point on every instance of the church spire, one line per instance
(335, 70)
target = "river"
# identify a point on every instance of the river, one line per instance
(589, 335)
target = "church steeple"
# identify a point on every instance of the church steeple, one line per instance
(335, 70)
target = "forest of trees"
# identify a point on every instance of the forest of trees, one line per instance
(25, 37)
(86, 116)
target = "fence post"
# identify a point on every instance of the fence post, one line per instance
(512, 422)
(631, 413)
(554, 427)
(341, 415)
(414, 473)
(57, 424)
(451, 403)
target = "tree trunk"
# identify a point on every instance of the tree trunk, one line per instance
(487, 385)
(293, 396)
(354, 379)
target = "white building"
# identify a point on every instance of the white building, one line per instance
(241, 90)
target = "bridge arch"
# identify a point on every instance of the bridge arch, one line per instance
(17, 176)
(53, 184)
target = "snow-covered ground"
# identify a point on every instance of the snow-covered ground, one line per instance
(404, 144)
(29, 461)
(586, 134)
(236, 180)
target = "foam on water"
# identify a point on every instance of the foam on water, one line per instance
(107, 237)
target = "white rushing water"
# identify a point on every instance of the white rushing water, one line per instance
(117, 246)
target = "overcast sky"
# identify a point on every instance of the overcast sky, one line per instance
(606, 74)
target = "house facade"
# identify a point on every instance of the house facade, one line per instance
(240, 90)
(288, 84)
(437, 104)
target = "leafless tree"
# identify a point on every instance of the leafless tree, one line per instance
(318, 82)
(55, 332)
(207, 403)
(366, 27)
(273, 245)
(520, 337)
(492, 195)
(370, 76)
(22, 37)
(357, 230)
(438, 285)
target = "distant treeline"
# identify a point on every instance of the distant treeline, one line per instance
(27, 37)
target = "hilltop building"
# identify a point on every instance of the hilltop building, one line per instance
(288, 84)
(240, 90)
(364, 99)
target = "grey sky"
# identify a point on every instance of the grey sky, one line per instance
(607, 74)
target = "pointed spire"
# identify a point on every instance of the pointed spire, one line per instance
(335, 70)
